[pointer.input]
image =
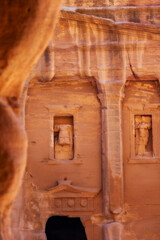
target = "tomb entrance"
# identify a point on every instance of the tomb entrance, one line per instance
(65, 228)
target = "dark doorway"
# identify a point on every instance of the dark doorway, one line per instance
(65, 228)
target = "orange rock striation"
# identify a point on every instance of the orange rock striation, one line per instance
(25, 29)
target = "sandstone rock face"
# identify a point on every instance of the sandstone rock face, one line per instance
(13, 149)
(16, 41)
(106, 3)
(22, 30)
(92, 117)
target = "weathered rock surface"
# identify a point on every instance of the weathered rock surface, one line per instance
(112, 3)
(101, 69)
(25, 29)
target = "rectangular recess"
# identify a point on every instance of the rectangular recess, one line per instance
(63, 138)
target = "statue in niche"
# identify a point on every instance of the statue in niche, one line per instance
(143, 130)
(63, 141)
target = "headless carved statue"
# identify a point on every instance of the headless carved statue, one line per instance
(63, 141)
(142, 125)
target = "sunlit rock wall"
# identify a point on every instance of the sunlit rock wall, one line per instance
(116, 50)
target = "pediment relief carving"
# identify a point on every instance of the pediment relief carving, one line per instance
(65, 188)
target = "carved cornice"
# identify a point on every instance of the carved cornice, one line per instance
(104, 22)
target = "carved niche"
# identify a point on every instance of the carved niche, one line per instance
(63, 133)
(63, 138)
(141, 117)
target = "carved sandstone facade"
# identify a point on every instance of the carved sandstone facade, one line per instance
(92, 118)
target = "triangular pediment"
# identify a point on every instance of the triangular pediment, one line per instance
(66, 189)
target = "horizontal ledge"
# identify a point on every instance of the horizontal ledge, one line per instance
(99, 44)
(118, 7)
(57, 162)
(145, 160)
(71, 15)
(63, 107)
